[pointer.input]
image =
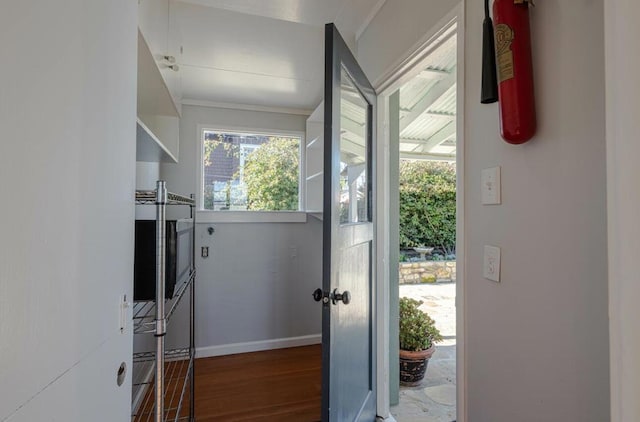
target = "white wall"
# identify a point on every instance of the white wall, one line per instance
(67, 174)
(256, 284)
(537, 343)
(623, 173)
(396, 28)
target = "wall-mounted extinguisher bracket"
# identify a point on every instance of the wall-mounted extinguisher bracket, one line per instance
(514, 70)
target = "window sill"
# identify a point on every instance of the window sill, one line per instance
(251, 217)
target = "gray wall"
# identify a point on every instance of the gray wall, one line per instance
(256, 284)
(537, 343)
(67, 174)
(623, 173)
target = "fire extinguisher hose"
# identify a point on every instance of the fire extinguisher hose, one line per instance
(489, 92)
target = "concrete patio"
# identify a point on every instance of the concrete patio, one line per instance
(435, 399)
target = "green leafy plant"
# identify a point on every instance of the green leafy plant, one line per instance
(271, 174)
(428, 278)
(428, 205)
(417, 329)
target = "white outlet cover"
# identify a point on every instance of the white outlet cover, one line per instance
(492, 263)
(491, 186)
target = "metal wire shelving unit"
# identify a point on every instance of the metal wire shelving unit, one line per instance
(172, 386)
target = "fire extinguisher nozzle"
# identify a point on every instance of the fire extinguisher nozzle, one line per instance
(489, 74)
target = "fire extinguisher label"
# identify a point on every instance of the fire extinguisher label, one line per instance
(504, 39)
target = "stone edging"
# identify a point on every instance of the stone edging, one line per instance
(427, 272)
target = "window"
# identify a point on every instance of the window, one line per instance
(250, 172)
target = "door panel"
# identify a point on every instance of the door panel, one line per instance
(348, 274)
(352, 359)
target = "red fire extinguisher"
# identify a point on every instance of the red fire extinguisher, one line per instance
(514, 70)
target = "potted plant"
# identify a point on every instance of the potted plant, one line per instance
(418, 335)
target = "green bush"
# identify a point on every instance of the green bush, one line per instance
(428, 205)
(417, 329)
(271, 175)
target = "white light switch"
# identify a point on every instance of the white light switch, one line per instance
(491, 186)
(492, 263)
(124, 312)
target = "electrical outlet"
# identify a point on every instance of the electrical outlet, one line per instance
(204, 251)
(492, 263)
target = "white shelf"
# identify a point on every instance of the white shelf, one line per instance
(154, 97)
(158, 114)
(316, 142)
(317, 214)
(315, 175)
(314, 169)
(149, 148)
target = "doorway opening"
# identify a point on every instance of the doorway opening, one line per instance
(427, 224)
(422, 103)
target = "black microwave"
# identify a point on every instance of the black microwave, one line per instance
(178, 253)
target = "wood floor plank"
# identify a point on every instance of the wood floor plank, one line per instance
(276, 385)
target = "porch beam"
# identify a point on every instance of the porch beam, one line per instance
(427, 101)
(439, 137)
(427, 157)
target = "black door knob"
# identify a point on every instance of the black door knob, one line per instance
(336, 297)
(317, 295)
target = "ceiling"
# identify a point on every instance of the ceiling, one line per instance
(427, 107)
(270, 53)
(267, 53)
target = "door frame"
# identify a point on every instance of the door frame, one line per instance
(402, 71)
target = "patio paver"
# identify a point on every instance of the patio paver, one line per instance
(435, 399)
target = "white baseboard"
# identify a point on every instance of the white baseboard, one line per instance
(257, 346)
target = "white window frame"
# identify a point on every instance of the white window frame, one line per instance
(211, 216)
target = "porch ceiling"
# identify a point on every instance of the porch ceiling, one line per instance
(427, 108)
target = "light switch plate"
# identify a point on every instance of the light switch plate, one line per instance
(492, 263)
(491, 186)
(124, 312)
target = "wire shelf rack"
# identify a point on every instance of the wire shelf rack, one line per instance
(163, 380)
(147, 197)
(144, 312)
(178, 369)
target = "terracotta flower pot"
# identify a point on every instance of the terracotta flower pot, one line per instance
(413, 366)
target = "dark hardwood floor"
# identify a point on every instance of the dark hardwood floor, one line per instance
(278, 385)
